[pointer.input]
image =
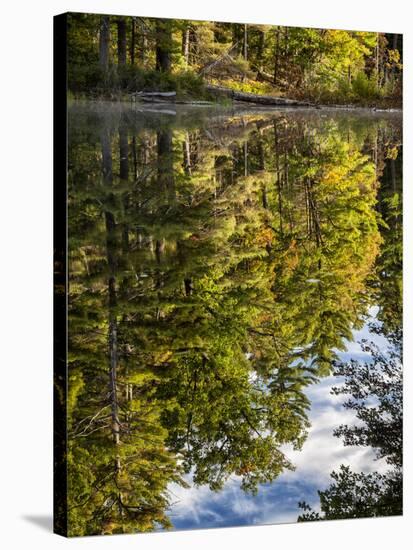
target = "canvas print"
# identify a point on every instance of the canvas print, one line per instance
(228, 274)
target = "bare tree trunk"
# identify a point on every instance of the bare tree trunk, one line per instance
(278, 182)
(393, 174)
(124, 173)
(286, 54)
(135, 158)
(187, 155)
(260, 54)
(194, 49)
(144, 44)
(246, 42)
(261, 157)
(234, 36)
(276, 57)
(165, 163)
(185, 45)
(377, 60)
(121, 24)
(159, 250)
(113, 346)
(111, 260)
(123, 152)
(133, 42)
(163, 45)
(237, 38)
(104, 40)
(188, 287)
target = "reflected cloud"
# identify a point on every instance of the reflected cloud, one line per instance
(277, 502)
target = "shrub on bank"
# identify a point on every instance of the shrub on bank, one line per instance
(92, 81)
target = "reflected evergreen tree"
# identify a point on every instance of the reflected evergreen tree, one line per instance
(376, 395)
(388, 283)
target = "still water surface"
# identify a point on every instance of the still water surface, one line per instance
(223, 265)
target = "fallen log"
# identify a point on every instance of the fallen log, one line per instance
(263, 77)
(155, 94)
(154, 97)
(158, 111)
(156, 100)
(193, 102)
(221, 91)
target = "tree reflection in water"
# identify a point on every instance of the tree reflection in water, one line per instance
(217, 263)
(375, 387)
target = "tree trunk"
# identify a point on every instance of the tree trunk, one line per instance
(113, 343)
(124, 173)
(245, 151)
(188, 287)
(133, 42)
(276, 56)
(185, 45)
(278, 178)
(104, 40)
(246, 42)
(236, 38)
(135, 158)
(286, 42)
(378, 60)
(123, 152)
(393, 174)
(111, 260)
(121, 24)
(261, 157)
(163, 45)
(165, 163)
(144, 44)
(260, 53)
(187, 155)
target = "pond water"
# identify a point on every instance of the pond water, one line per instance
(223, 266)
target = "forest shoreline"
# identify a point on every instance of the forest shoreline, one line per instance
(195, 102)
(112, 57)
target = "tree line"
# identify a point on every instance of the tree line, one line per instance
(112, 55)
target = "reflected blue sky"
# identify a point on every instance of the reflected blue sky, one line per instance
(199, 507)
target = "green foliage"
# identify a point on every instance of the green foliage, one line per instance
(365, 87)
(249, 86)
(388, 282)
(92, 80)
(376, 395)
(357, 495)
(327, 66)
